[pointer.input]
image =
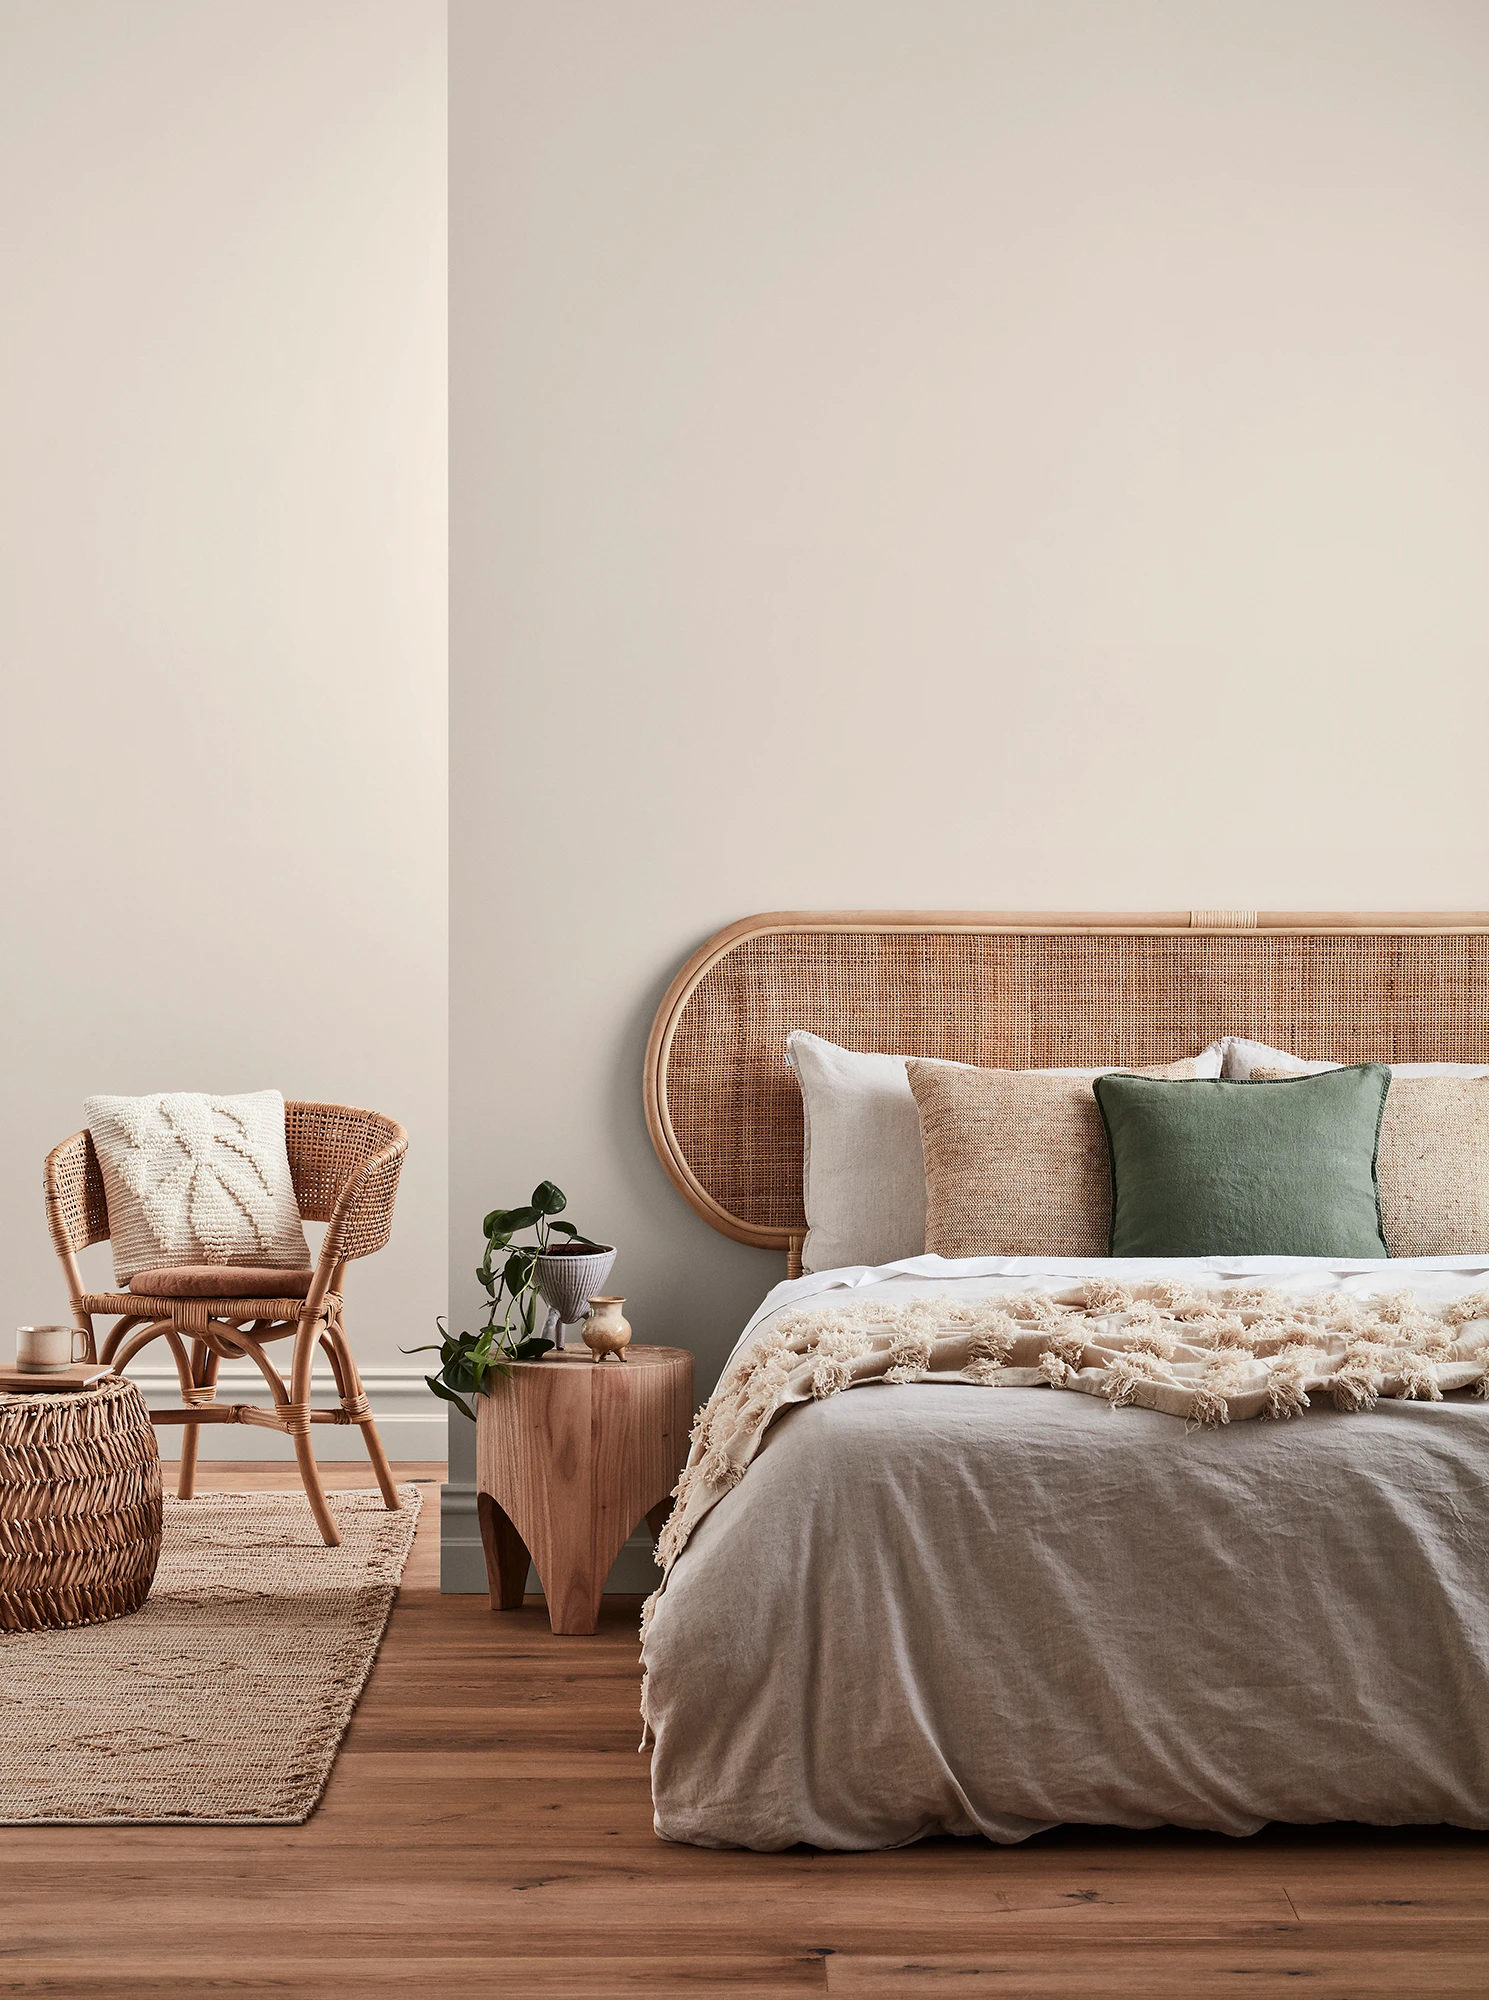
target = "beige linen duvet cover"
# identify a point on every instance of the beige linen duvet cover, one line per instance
(941, 1607)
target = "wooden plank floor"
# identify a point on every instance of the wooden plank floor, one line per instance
(487, 1832)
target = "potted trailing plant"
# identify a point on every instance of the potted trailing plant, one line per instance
(514, 1276)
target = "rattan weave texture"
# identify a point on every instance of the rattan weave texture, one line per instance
(77, 1206)
(329, 1145)
(728, 1113)
(80, 1506)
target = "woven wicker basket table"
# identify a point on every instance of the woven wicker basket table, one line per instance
(80, 1510)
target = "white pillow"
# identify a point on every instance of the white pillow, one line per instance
(863, 1169)
(1242, 1057)
(195, 1179)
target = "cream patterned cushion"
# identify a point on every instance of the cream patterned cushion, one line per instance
(195, 1179)
(1016, 1161)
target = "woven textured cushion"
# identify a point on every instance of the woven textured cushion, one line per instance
(220, 1281)
(1015, 1160)
(194, 1179)
(1433, 1164)
(863, 1171)
(1246, 1169)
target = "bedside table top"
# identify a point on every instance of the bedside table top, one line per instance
(576, 1353)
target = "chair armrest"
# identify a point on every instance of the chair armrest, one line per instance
(362, 1220)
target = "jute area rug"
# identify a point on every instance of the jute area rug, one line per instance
(225, 1698)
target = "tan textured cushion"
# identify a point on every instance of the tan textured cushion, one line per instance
(1433, 1164)
(1016, 1162)
(220, 1281)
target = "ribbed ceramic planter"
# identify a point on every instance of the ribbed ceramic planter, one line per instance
(568, 1279)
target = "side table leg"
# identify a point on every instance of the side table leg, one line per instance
(506, 1555)
(574, 1593)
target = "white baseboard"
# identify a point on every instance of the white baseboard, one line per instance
(410, 1421)
(462, 1566)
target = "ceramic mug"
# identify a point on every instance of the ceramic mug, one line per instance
(39, 1349)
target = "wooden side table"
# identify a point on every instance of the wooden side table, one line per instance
(570, 1454)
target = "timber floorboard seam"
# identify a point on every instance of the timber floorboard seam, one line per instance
(487, 1831)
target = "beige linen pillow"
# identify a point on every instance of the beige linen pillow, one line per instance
(1432, 1163)
(1016, 1162)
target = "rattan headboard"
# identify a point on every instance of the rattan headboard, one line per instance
(1024, 991)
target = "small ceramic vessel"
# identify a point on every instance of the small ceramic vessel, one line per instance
(607, 1330)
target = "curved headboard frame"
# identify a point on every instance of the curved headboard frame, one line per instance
(1024, 989)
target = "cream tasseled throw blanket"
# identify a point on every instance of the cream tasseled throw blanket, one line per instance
(1203, 1356)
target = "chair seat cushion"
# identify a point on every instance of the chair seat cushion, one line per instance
(220, 1281)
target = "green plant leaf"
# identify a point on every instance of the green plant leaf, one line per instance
(529, 1350)
(449, 1396)
(518, 1270)
(503, 1223)
(548, 1199)
(562, 1229)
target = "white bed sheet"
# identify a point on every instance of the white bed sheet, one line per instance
(935, 1608)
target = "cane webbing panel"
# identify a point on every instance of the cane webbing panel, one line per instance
(726, 1114)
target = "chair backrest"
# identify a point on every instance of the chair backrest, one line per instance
(77, 1208)
(329, 1147)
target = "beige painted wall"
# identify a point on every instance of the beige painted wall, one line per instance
(961, 454)
(222, 590)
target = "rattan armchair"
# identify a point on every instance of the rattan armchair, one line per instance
(345, 1165)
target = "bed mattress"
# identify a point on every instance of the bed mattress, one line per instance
(934, 1608)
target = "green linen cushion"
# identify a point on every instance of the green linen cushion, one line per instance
(1233, 1169)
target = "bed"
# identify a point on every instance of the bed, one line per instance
(924, 1608)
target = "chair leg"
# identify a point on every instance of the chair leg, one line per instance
(186, 1477)
(315, 1493)
(349, 1383)
(380, 1464)
(300, 1429)
(204, 1362)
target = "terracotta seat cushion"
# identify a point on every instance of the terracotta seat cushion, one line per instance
(220, 1281)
